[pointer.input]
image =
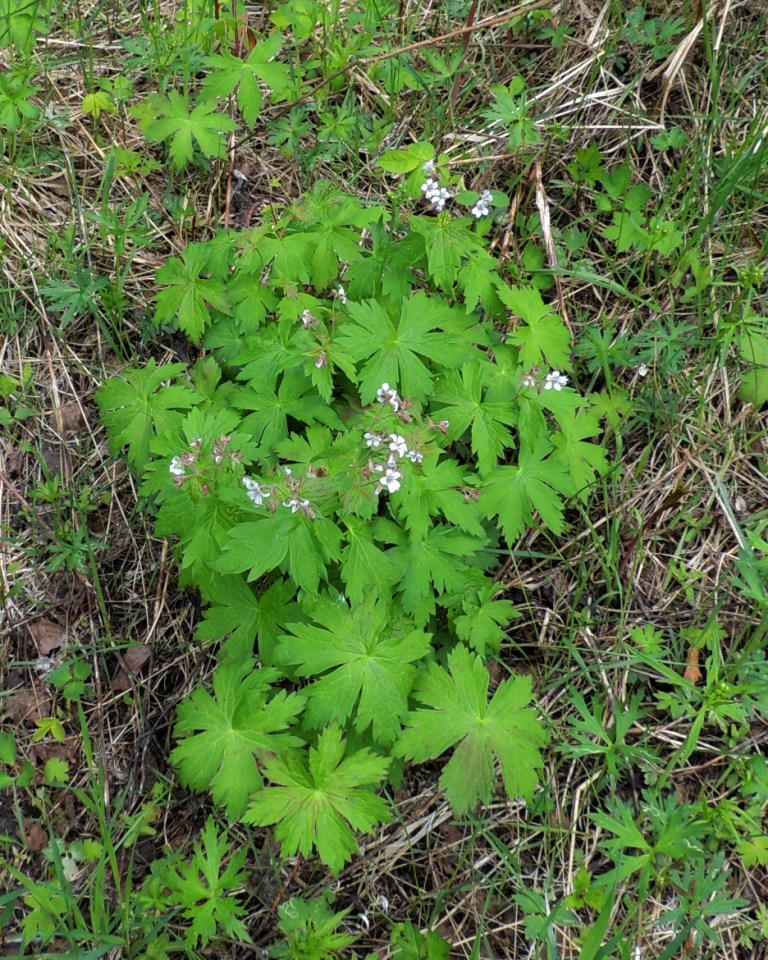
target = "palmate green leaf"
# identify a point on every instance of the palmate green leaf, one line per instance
(333, 232)
(205, 891)
(222, 735)
(302, 546)
(585, 461)
(433, 565)
(459, 715)
(462, 401)
(448, 242)
(137, 407)
(364, 658)
(428, 330)
(544, 338)
(538, 483)
(187, 294)
(295, 397)
(172, 117)
(229, 73)
(365, 568)
(482, 623)
(315, 803)
(435, 490)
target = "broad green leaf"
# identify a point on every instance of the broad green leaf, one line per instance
(364, 658)
(172, 117)
(544, 338)
(187, 294)
(457, 714)
(315, 803)
(223, 735)
(400, 352)
(230, 73)
(137, 407)
(538, 483)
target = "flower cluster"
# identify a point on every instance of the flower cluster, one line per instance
(483, 206)
(261, 494)
(435, 194)
(389, 474)
(186, 466)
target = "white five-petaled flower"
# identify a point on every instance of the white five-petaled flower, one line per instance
(256, 493)
(483, 206)
(341, 294)
(390, 481)
(398, 444)
(435, 194)
(385, 394)
(429, 167)
(415, 457)
(296, 504)
(555, 381)
(177, 467)
(372, 440)
(527, 381)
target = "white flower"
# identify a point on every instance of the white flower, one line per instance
(556, 381)
(372, 440)
(385, 394)
(486, 197)
(435, 194)
(390, 480)
(642, 370)
(480, 209)
(429, 167)
(177, 467)
(256, 493)
(415, 457)
(307, 319)
(527, 381)
(398, 444)
(342, 295)
(296, 504)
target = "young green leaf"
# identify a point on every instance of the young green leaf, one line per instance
(396, 351)
(364, 658)
(585, 460)
(230, 73)
(137, 407)
(223, 735)
(171, 117)
(544, 339)
(187, 294)
(448, 242)
(538, 482)
(463, 403)
(205, 891)
(459, 715)
(315, 803)
(482, 623)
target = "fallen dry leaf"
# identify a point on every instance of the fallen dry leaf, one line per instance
(71, 418)
(47, 635)
(133, 659)
(26, 706)
(36, 837)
